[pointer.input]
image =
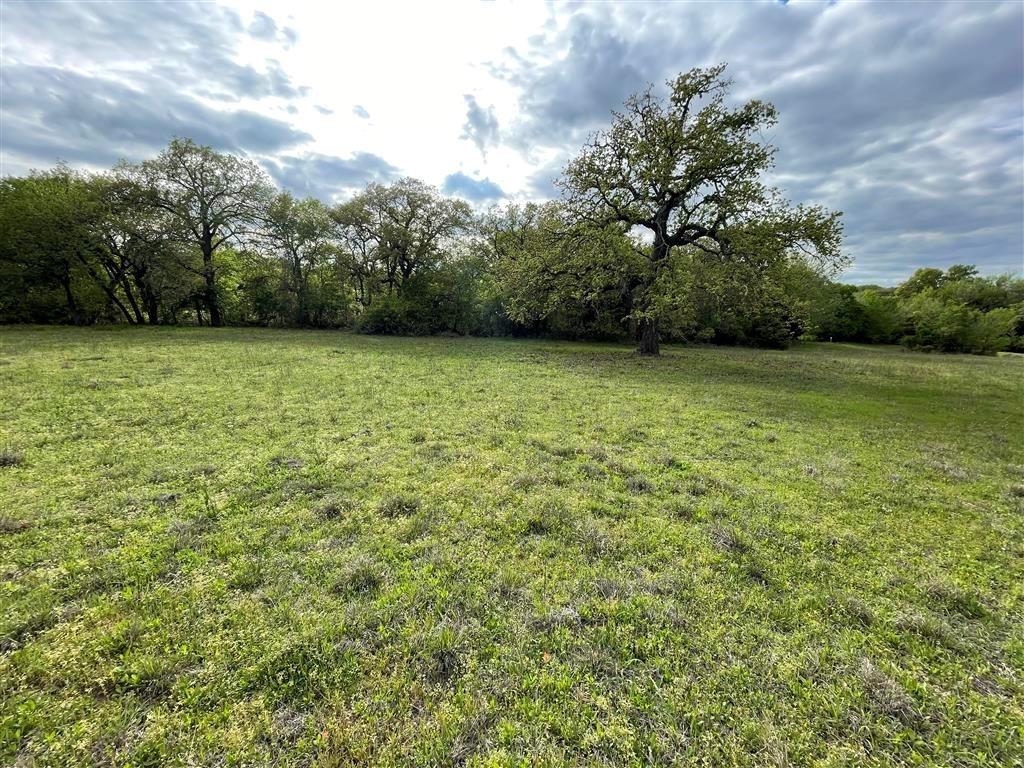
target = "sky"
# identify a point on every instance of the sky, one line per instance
(907, 116)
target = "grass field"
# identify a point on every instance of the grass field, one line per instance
(235, 547)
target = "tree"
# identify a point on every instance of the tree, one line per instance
(51, 223)
(554, 273)
(687, 170)
(882, 317)
(922, 280)
(211, 199)
(301, 231)
(393, 232)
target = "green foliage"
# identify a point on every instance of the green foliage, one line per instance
(689, 170)
(282, 548)
(194, 236)
(952, 327)
(952, 311)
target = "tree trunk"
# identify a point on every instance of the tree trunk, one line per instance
(152, 308)
(649, 325)
(210, 278)
(73, 310)
(649, 337)
(301, 294)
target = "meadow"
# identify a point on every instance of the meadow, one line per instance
(290, 548)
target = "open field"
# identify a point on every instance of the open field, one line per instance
(232, 547)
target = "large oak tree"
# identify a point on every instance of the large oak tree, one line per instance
(210, 199)
(689, 171)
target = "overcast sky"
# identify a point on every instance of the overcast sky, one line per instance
(908, 117)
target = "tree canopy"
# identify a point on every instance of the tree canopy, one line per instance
(688, 170)
(666, 228)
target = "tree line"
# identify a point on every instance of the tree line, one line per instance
(665, 229)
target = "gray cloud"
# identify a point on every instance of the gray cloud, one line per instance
(52, 114)
(481, 126)
(68, 108)
(474, 190)
(360, 111)
(263, 26)
(235, 82)
(324, 110)
(907, 121)
(329, 177)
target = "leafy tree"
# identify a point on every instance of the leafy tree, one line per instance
(569, 279)
(882, 316)
(951, 327)
(704, 300)
(688, 170)
(921, 280)
(396, 231)
(52, 231)
(302, 232)
(144, 263)
(211, 199)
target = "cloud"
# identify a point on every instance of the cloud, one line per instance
(235, 82)
(263, 26)
(481, 126)
(51, 113)
(542, 182)
(329, 177)
(92, 83)
(908, 122)
(473, 190)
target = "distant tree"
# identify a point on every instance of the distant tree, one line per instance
(61, 224)
(395, 231)
(882, 315)
(961, 272)
(211, 199)
(302, 232)
(688, 170)
(46, 235)
(147, 266)
(946, 326)
(922, 280)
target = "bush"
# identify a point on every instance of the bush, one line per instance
(393, 315)
(952, 327)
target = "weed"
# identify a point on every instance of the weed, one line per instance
(929, 627)
(953, 598)
(11, 458)
(639, 484)
(10, 524)
(398, 505)
(885, 694)
(288, 463)
(858, 610)
(335, 508)
(546, 517)
(727, 539)
(361, 575)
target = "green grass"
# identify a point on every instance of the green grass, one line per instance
(240, 547)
